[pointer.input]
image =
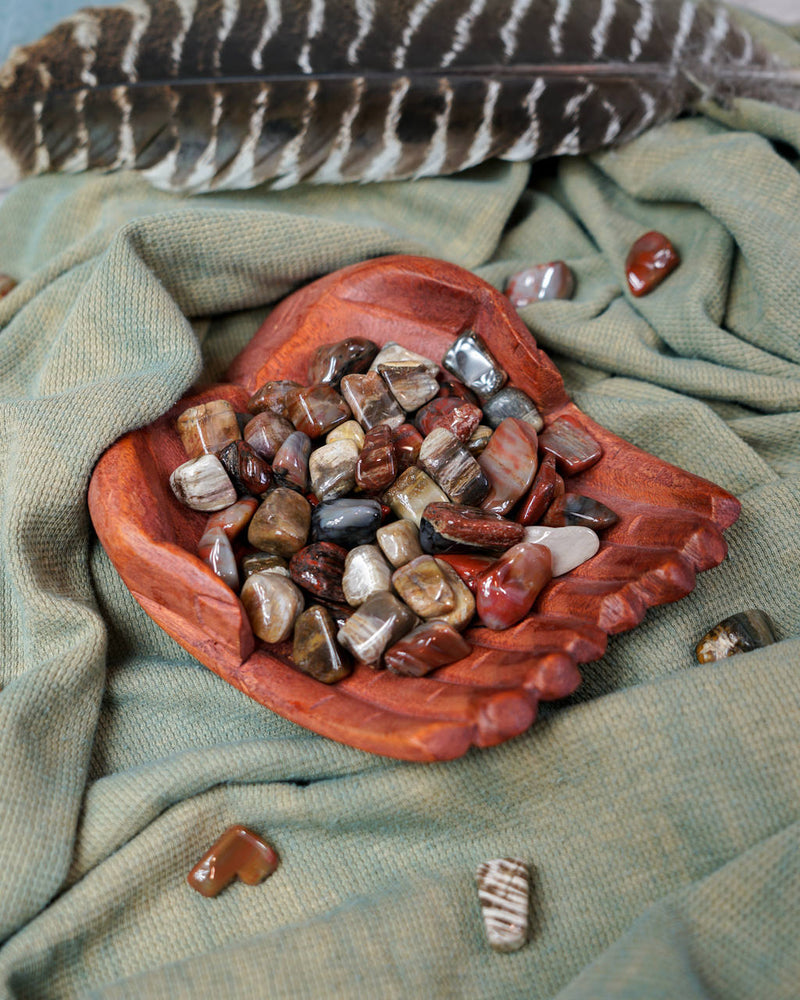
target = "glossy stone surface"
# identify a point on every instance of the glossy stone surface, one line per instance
(540, 283)
(208, 428)
(214, 548)
(424, 587)
(509, 463)
(248, 472)
(290, 465)
(507, 590)
(332, 361)
(272, 603)
(573, 449)
(280, 525)
(480, 438)
(347, 522)
(264, 562)
(411, 385)
(468, 565)
(399, 542)
(428, 646)
(370, 401)
(453, 387)
(239, 853)
(393, 353)
(511, 402)
(380, 621)
(234, 519)
(452, 414)
(272, 397)
(332, 469)
(411, 492)
(574, 509)
(376, 467)
(366, 572)
(266, 432)
(503, 891)
(651, 258)
(315, 650)
(452, 467)
(7, 284)
(350, 430)
(448, 526)
(318, 568)
(471, 361)
(408, 441)
(203, 484)
(316, 409)
(569, 547)
(542, 491)
(740, 633)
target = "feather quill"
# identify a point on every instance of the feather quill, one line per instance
(203, 95)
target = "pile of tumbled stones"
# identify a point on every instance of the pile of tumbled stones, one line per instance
(380, 495)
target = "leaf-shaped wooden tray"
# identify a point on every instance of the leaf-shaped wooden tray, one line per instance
(670, 526)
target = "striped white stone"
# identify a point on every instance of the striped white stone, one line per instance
(503, 891)
(568, 546)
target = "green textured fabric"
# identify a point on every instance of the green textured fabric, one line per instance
(659, 806)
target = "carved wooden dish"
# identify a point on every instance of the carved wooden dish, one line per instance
(670, 526)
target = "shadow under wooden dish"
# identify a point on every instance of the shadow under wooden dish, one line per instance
(670, 527)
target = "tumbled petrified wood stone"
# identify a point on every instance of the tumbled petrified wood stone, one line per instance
(572, 508)
(411, 492)
(330, 362)
(264, 562)
(376, 466)
(332, 469)
(290, 465)
(481, 436)
(572, 447)
(511, 402)
(234, 519)
(266, 432)
(740, 633)
(214, 548)
(203, 484)
(507, 590)
(318, 568)
(471, 361)
(272, 397)
(380, 621)
(448, 526)
(238, 853)
(429, 646)
(411, 385)
(509, 463)
(208, 428)
(315, 650)
(453, 414)
(393, 353)
(452, 467)
(569, 547)
(651, 258)
(280, 525)
(366, 572)
(540, 283)
(424, 587)
(542, 492)
(453, 387)
(407, 441)
(371, 402)
(346, 521)
(468, 565)
(248, 471)
(350, 430)
(462, 611)
(316, 409)
(272, 603)
(503, 891)
(399, 542)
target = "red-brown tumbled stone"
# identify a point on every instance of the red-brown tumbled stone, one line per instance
(408, 442)
(452, 387)
(248, 471)
(574, 450)
(450, 413)
(430, 645)
(290, 465)
(575, 509)
(448, 526)
(377, 467)
(509, 462)
(540, 282)
(316, 409)
(234, 519)
(542, 492)
(507, 590)
(272, 396)
(237, 853)
(266, 432)
(651, 258)
(318, 568)
(330, 362)
(469, 566)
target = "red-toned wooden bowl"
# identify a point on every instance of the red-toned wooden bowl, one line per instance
(670, 527)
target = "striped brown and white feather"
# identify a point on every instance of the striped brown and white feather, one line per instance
(203, 95)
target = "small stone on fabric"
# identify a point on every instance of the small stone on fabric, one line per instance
(539, 283)
(740, 633)
(651, 258)
(503, 891)
(239, 853)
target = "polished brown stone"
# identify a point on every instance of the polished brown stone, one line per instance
(249, 472)
(573, 448)
(366, 572)
(332, 469)
(448, 526)
(429, 646)
(266, 432)
(350, 430)
(318, 568)
(376, 467)
(394, 354)
(411, 385)
(651, 258)
(315, 650)
(450, 465)
(290, 465)
(572, 508)
(481, 436)
(380, 621)
(741, 633)
(542, 492)
(234, 519)
(316, 409)
(208, 428)
(507, 590)
(424, 587)
(214, 548)
(272, 396)
(411, 492)
(460, 616)
(330, 362)
(450, 413)
(203, 484)
(371, 402)
(281, 524)
(239, 853)
(452, 387)
(509, 463)
(540, 283)
(399, 542)
(272, 603)
(408, 441)
(469, 566)
(264, 562)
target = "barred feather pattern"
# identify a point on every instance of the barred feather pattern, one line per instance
(202, 95)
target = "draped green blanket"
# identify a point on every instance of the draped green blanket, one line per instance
(659, 807)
